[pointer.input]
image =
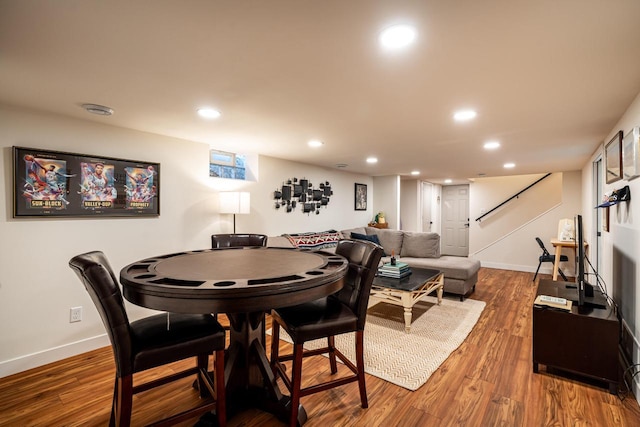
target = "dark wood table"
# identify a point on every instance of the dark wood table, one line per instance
(243, 283)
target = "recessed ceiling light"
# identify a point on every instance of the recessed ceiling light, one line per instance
(397, 36)
(209, 113)
(372, 160)
(415, 172)
(315, 143)
(448, 181)
(98, 109)
(509, 165)
(464, 115)
(491, 145)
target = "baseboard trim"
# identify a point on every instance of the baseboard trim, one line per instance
(34, 360)
(525, 268)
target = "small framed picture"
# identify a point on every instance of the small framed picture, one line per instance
(613, 158)
(631, 154)
(360, 197)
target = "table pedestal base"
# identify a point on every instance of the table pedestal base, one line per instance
(249, 381)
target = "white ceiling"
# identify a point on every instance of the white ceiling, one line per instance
(548, 78)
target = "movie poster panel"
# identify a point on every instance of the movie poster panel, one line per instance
(53, 183)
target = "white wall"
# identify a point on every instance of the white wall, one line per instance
(37, 288)
(386, 198)
(339, 214)
(621, 245)
(410, 207)
(506, 238)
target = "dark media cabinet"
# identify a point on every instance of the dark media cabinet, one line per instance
(583, 342)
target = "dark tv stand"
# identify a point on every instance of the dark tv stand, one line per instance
(582, 341)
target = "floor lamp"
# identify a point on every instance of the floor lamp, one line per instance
(235, 202)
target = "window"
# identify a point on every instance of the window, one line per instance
(227, 165)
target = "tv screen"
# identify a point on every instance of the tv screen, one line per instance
(587, 296)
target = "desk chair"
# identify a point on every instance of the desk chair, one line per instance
(547, 257)
(342, 312)
(237, 240)
(151, 342)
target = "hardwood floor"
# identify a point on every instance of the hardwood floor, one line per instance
(487, 381)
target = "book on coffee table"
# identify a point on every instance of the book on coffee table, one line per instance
(397, 271)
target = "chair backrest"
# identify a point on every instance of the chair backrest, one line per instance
(364, 258)
(96, 274)
(545, 252)
(237, 240)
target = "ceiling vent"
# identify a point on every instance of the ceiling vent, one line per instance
(98, 109)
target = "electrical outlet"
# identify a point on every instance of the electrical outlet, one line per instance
(75, 314)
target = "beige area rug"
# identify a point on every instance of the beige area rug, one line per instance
(408, 360)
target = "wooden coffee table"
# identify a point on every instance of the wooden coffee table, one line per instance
(409, 290)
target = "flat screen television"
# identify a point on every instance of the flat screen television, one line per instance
(587, 295)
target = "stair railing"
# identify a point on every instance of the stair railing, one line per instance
(515, 196)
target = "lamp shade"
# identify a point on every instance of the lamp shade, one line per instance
(235, 202)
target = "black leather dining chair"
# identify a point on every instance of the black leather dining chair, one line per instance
(219, 241)
(237, 240)
(547, 257)
(339, 313)
(151, 342)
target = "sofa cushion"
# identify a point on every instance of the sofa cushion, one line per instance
(391, 240)
(373, 238)
(453, 267)
(313, 240)
(420, 245)
(346, 234)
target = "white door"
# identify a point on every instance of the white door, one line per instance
(455, 220)
(427, 194)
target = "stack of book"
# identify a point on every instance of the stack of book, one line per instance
(397, 271)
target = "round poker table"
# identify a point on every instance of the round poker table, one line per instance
(244, 283)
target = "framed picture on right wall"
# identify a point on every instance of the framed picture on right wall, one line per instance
(631, 154)
(613, 158)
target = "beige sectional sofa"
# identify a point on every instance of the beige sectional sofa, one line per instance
(416, 249)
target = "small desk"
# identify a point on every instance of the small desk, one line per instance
(408, 290)
(243, 283)
(558, 245)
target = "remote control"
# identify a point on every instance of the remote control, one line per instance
(556, 300)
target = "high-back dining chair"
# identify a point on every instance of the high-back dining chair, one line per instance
(547, 257)
(219, 241)
(339, 313)
(151, 342)
(237, 240)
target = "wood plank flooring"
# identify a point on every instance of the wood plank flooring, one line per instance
(487, 381)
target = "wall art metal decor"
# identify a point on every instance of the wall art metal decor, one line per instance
(301, 193)
(55, 183)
